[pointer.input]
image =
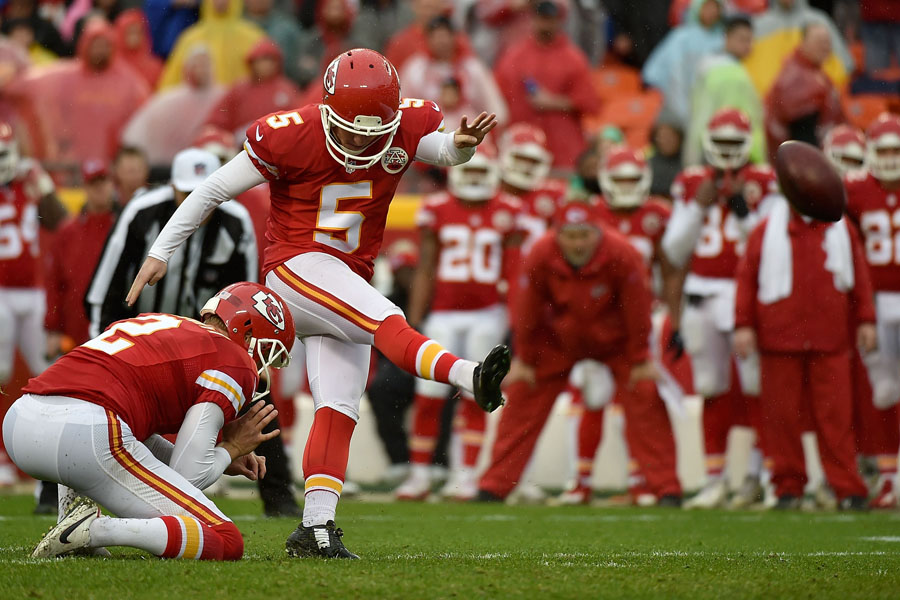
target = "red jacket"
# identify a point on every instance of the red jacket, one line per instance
(75, 253)
(816, 316)
(600, 311)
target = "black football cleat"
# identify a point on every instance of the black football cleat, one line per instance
(488, 377)
(319, 540)
(854, 503)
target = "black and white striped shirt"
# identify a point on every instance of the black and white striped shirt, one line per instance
(221, 252)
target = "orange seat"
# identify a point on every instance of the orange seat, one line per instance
(634, 114)
(861, 109)
(613, 80)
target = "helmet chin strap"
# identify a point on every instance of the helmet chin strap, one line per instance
(276, 352)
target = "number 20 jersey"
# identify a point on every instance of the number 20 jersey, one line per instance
(317, 204)
(150, 370)
(471, 239)
(876, 211)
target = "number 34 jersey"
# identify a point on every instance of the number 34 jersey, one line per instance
(150, 370)
(317, 204)
(471, 240)
(876, 211)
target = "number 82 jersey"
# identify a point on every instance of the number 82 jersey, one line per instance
(318, 205)
(876, 211)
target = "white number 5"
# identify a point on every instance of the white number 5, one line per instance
(341, 229)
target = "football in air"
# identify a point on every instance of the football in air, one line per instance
(809, 181)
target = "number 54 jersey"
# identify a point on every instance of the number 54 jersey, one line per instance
(471, 241)
(318, 205)
(876, 211)
(150, 370)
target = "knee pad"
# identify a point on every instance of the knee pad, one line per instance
(232, 540)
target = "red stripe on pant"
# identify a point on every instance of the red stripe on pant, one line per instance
(789, 381)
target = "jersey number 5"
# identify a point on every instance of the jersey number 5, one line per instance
(341, 229)
(135, 327)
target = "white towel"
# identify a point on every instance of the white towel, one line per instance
(776, 268)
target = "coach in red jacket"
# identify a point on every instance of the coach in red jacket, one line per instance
(799, 286)
(584, 294)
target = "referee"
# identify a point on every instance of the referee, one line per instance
(221, 252)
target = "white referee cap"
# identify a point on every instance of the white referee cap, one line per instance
(190, 167)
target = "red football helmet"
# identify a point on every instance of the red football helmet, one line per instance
(883, 147)
(845, 147)
(478, 179)
(9, 154)
(362, 96)
(727, 139)
(257, 319)
(624, 177)
(524, 158)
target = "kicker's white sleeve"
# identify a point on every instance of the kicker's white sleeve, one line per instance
(195, 455)
(682, 232)
(437, 148)
(231, 179)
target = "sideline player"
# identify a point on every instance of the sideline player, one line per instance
(92, 423)
(332, 170)
(872, 203)
(716, 206)
(627, 208)
(466, 233)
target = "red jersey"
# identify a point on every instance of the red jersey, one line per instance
(643, 226)
(538, 208)
(20, 265)
(876, 212)
(150, 370)
(317, 205)
(471, 238)
(721, 241)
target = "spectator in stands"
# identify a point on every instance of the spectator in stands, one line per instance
(383, 18)
(404, 43)
(228, 36)
(880, 33)
(425, 73)
(665, 161)
(672, 66)
(778, 31)
(74, 254)
(130, 173)
(45, 33)
(21, 32)
(546, 81)
(803, 104)
(81, 12)
(646, 27)
(172, 118)
(334, 33)
(101, 96)
(15, 105)
(133, 34)
(498, 24)
(266, 90)
(281, 27)
(168, 19)
(722, 81)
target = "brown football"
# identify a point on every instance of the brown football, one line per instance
(809, 181)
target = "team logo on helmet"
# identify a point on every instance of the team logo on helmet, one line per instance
(331, 75)
(269, 307)
(394, 160)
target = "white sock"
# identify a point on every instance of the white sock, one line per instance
(462, 374)
(147, 534)
(319, 507)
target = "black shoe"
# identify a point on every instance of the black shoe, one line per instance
(287, 508)
(488, 376)
(669, 501)
(854, 503)
(788, 502)
(318, 540)
(486, 496)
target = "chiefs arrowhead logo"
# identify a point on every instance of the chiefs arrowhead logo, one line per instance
(394, 160)
(269, 307)
(331, 75)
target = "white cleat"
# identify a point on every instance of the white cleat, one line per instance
(749, 494)
(713, 495)
(527, 493)
(462, 486)
(574, 496)
(73, 532)
(415, 488)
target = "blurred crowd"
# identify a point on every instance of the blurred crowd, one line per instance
(614, 105)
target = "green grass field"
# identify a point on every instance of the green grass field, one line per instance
(493, 551)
